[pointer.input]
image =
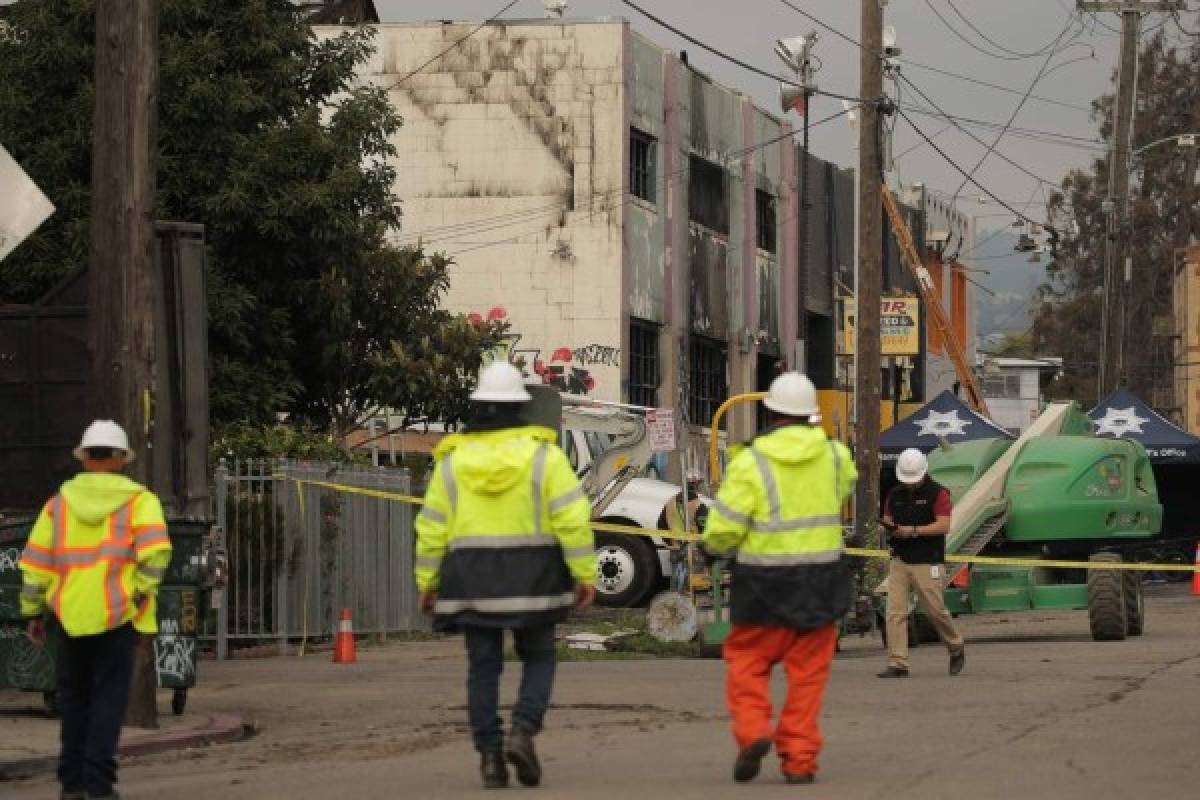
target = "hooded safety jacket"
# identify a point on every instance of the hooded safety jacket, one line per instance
(96, 556)
(504, 532)
(779, 510)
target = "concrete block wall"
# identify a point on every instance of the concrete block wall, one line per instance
(510, 161)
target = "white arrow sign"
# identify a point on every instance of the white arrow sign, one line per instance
(23, 207)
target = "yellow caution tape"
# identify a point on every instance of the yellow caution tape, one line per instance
(861, 552)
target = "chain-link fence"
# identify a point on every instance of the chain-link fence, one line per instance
(304, 541)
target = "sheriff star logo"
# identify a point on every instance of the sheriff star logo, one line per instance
(1120, 421)
(938, 423)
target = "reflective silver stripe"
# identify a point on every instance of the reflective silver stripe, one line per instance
(502, 604)
(32, 590)
(539, 471)
(797, 523)
(428, 562)
(736, 516)
(837, 472)
(153, 573)
(562, 501)
(579, 552)
(502, 542)
(788, 559)
(433, 515)
(448, 482)
(114, 592)
(768, 479)
(106, 550)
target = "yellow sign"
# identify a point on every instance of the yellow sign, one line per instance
(899, 326)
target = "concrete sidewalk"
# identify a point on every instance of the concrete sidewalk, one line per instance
(29, 736)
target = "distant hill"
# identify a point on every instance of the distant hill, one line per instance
(1010, 277)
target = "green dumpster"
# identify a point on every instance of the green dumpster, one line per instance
(181, 604)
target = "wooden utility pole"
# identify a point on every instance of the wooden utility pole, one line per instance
(867, 389)
(1117, 275)
(121, 283)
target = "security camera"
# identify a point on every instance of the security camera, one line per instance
(555, 8)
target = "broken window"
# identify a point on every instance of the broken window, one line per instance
(764, 220)
(643, 363)
(708, 204)
(707, 361)
(642, 147)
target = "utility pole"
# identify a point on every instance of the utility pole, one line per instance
(121, 281)
(867, 381)
(1117, 273)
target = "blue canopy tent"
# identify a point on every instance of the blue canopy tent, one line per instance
(1174, 453)
(943, 417)
(1123, 414)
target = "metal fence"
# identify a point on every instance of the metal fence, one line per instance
(299, 552)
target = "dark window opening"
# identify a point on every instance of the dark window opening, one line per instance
(642, 147)
(764, 220)
(707, 363)
(766, 370)
(708, 204)
(643, 363)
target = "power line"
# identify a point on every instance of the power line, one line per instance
(936, 111)
(972, 45)
(453, 46)
(993, 42)
(939, 70)
(732, 60)
(1024, 98)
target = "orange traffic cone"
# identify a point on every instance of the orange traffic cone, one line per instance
(343, 646)
(1196, 575)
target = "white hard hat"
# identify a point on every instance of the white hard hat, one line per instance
(911, 466)
(793, 394)
(103, 433)
(500, 382)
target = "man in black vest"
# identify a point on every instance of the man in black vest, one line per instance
(917, 517)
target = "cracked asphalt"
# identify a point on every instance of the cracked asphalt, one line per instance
(1040, 712)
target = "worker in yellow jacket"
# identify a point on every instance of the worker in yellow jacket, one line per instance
(93, 564)
(504, 541)
(778, 514)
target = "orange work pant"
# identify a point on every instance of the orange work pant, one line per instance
(751, 651)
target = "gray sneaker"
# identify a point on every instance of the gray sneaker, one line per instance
(521, 754)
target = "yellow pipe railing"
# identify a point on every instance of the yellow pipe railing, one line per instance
(714, 464)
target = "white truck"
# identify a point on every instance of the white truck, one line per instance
(609, 448)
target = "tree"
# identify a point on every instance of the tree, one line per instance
(266, 138)
(1164, 211)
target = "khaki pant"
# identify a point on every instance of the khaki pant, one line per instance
(925, 579)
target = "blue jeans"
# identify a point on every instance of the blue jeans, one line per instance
(93, 686)
(485, 662)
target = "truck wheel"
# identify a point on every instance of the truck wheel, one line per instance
(1106, 599)
(627, 568)
(921, 630)
(1135, 603)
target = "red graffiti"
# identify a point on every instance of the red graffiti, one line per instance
(496, 314)
(562, 354)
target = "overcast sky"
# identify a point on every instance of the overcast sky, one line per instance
(747, 29)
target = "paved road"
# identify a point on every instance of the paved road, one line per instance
(1041, 711)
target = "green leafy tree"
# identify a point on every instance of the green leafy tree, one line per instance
(1164, 211)
(267, 139)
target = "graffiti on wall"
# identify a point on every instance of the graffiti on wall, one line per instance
(567, 368)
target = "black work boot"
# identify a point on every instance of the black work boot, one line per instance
(958, 659)
(799, 778)
(523, 757)
(749, 761)
(893, 672)
(494, 770)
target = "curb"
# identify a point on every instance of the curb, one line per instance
(220, 729)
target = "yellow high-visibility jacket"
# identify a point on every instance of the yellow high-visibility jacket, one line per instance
(96, 556)
(504, 533)
(779, 512)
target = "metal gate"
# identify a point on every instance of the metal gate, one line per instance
(302, 545)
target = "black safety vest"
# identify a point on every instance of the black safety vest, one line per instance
(915, 507)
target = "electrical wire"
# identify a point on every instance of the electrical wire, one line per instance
(939, 70)
(993, 42)
(731, 59)
(1012, 118)
(1179, 25)
(1000, 56)
(456, 44)
(1032, 134)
